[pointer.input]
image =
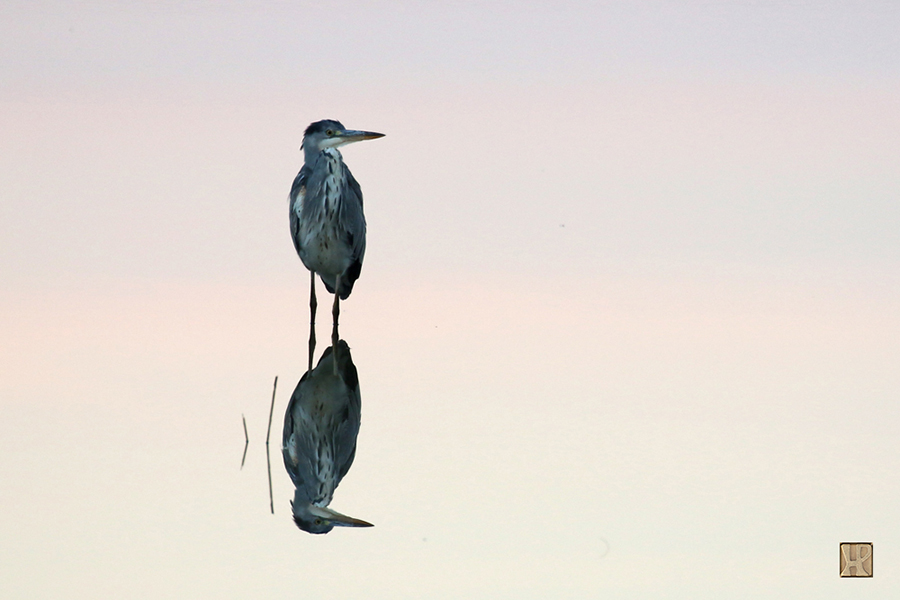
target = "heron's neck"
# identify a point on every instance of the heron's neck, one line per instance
(311, 155)
(334, 180)
(303, 497)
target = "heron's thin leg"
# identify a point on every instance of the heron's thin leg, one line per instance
(335, 313)
(312, 319)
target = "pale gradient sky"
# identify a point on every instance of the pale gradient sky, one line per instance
(627, 327)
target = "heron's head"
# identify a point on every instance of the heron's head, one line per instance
(331, 134)
(316, 519)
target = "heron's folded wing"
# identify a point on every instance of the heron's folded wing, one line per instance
(295, 205)
(353, 222)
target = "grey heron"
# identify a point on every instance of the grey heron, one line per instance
(319, 443)
(328, 226)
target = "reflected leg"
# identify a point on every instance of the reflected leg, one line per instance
(312, 319)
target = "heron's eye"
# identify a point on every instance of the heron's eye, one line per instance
(329, 133)
(318, 521)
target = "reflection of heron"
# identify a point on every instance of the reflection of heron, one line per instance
(327, 222)
(320, 429)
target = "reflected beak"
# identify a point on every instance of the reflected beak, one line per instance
(336, 518)
(348, 136)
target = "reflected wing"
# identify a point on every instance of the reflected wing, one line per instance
(347, 431)
(295, 447)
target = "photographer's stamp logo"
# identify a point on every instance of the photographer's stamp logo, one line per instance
(856, 559)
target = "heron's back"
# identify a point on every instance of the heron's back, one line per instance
(328, 225)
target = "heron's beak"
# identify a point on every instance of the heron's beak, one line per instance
(336, 518)
(348, 136)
